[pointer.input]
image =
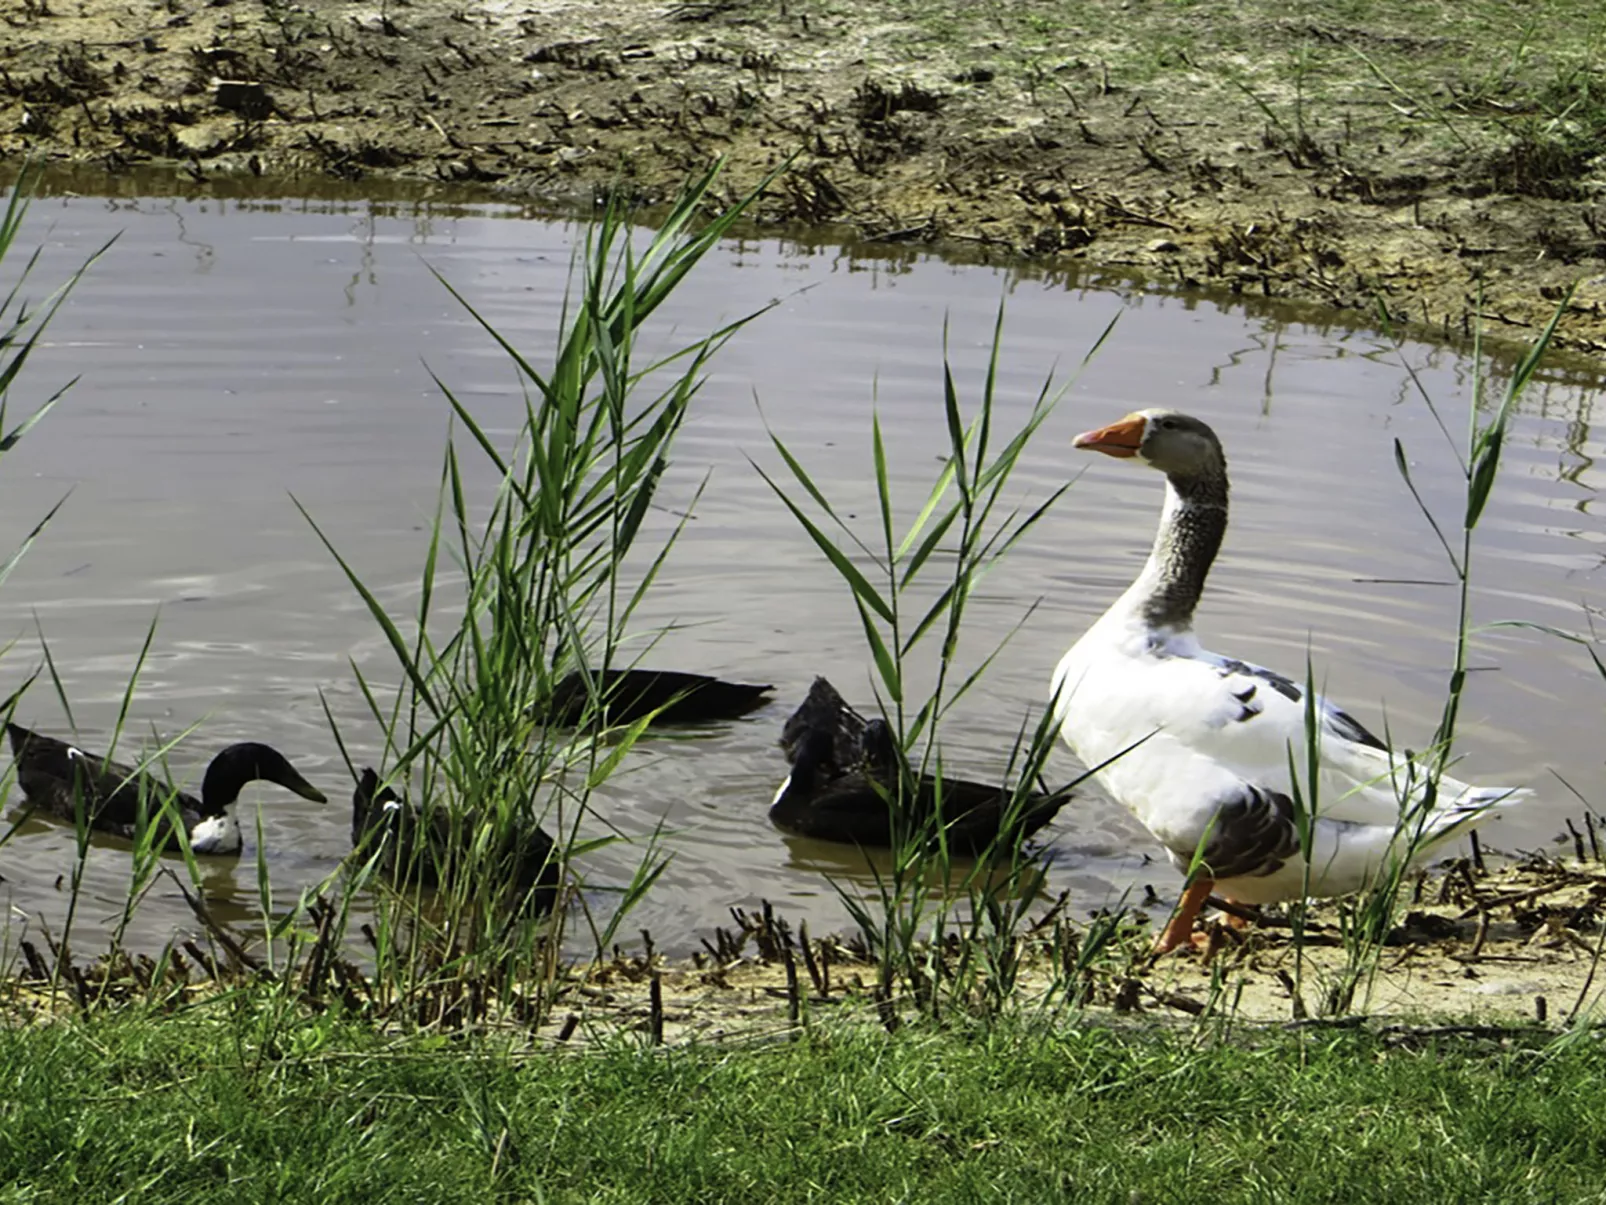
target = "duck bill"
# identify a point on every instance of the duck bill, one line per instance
(1122, 439)
(294, 782)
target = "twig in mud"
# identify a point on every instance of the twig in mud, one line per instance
(1296, 1001)
(1115, 209)
(1126, 996)
(1589, 819)
(224, 938)
(1046, 922)
(440, 129)
(204, 960)
(322, 948)
(1459, 874)
(1481, 937)
(36, 964)
(655, 1007)
(1522, 897)
(885, 1009)
(794, 998)
(1578, 838)
(1186, 1004)
(809, 963)
(80, 988)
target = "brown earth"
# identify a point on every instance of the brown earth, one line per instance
(1132, 142)
(1519, 945)
(1477, 953)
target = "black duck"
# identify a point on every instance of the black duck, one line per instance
(379, 816)
(844, 767)
(630, 694)
(53, 774)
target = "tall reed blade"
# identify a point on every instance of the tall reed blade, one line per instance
(960, 531)
(545, 587)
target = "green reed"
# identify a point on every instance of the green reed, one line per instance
(1367, 920)
(22, 325)
(546, 581)
(912, 604)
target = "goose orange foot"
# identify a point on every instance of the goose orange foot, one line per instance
(1179, 930)
(1237, 922)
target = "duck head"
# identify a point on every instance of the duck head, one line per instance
(218, 831)
(246, 762)
(368, 796)
(880, 748)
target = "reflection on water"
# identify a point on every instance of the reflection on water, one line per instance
(235, 352)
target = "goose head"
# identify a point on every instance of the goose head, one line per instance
(1179, 445)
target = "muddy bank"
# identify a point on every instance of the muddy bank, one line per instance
(1518, 945)
(1226, 147)
(1511, 949)
(1514, 946)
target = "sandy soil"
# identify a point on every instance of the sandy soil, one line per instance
(1517, 946)
(1476, 954)
(934, 123)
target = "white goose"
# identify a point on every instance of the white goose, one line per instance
(1209, 773)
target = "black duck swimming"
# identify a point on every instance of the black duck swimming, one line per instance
(53, 774)
(844, 767)
(630, 694)
(382, 820)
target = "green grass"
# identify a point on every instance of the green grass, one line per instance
(230, 1102)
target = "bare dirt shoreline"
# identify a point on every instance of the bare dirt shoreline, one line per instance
(1477, 954)
(1229, 147)
(1514, 946)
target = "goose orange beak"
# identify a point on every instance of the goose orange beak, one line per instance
(1121, 439)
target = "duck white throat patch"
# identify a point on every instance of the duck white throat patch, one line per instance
(216, 834)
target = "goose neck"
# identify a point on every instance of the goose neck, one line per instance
(1193, 523)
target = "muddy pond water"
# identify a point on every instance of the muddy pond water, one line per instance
(233, 353)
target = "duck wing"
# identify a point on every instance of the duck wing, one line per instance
(54, 774)
(825, 731)
(847, 809)
(854, 808)
(979, 816)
